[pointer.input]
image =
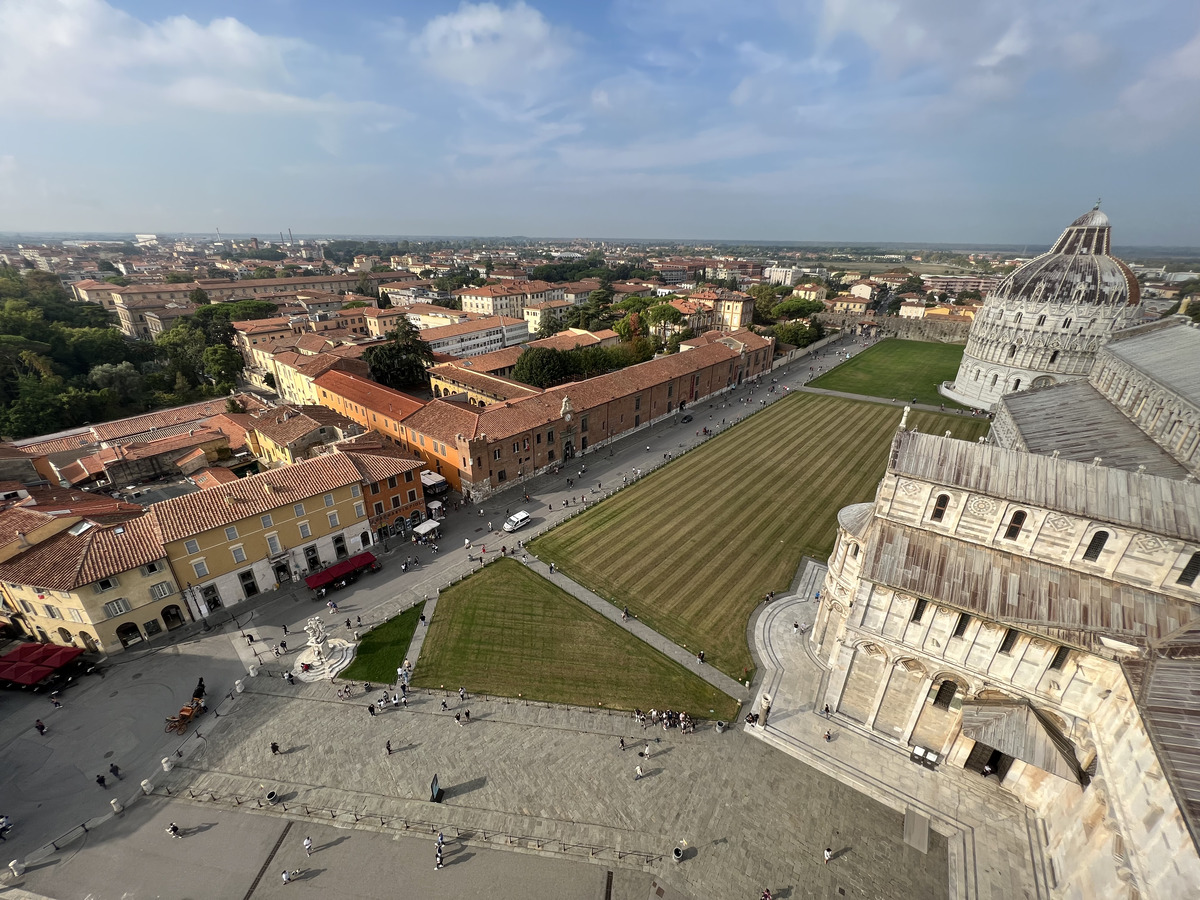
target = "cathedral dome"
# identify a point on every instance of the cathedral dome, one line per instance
(1078, 269)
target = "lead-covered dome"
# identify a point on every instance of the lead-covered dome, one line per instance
(1077, 269)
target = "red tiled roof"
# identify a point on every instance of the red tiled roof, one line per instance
(181, 517)
(68, 561)
(211, 476)
(368, 394)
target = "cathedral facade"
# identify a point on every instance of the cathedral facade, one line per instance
(1045, 322)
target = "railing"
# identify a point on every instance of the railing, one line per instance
(503, 837)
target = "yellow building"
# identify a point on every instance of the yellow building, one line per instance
(288, 434)
(231, 542)
(73, 581)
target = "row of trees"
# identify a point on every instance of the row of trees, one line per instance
(544, 367)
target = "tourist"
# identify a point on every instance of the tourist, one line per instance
(274, 748)
(40, 726)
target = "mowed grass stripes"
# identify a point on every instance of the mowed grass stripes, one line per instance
(507, 631)
(693, 547)
(900, 369)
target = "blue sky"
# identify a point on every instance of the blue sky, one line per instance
(805, 120)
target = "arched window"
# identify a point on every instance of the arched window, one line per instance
(994, 377)
(1095, 546)
(1041, 320)
(1066, 323)
(939, 508)
(945, 694)
(854, 551)
(1188, 576)
(1013, 531)
(976, 374)
(1017, 385)
(1017, 320)
(1054, 357)
(1012, 351)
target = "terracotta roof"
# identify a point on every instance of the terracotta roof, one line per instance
(483, 382)
(108, 431)
(49, 446)
(211, 476)
(368, 394)
(253, 326)
(289, 423)
(489, 362)
(376, 467)
(181, 517)
(68, 561)
(440, 332)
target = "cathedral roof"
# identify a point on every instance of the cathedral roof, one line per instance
(1077, 269)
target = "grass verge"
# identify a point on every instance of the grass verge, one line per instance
(382, 649)
(899, 369)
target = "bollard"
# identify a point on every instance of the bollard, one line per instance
(254, 671)
(116, 805)
(147, 787)
(238, 686)
(167, 764)
(18, 868)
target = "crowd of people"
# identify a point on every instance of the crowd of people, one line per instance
(667, 718)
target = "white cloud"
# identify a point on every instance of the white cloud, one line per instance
(1164, 101)
(486, 47)
(84, 58)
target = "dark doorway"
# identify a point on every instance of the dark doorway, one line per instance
(984, 758)
(128, 634)
(339, 547)
(249, 583)
(282, 574)
(211, 597)
(173, 617)
(312, 558)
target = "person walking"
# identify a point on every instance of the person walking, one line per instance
(646, 752)
(458, 720)
(54, 699)
(115, 771)
(462, 694)
(441, 839)
(274, 748)
(622, 745)
(828, 855)
(371, 709)
(445, 708)
(287, 876)
(40, 726)
(637, 773)
(100, 781)
(285, 631)
(438, 858)
(467, 716)
(388, 748)
(173, 831)
(307, 846)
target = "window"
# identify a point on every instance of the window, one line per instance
(550, 436)
(408, 476)
(1010, 640)
(945, 694)
(273, 545)
(1066, 323)
(329, 500)
(412, 496)
(496, 453)
(396, 502)
(1054, 357)
(1012, 351)
(298, 510)
(583, 422)
(354, 491)
(360, 510)
(1041, 320)
(231, 533)
(266, 521)
(305, 531)
(1060, 658)
(939, 508)
(1017, 385)
(539, 437)
(104, 584)
(162, 589)
(960, 627)
(150, 568)
(378, 509)
(28, 607)
(249, 583)
(391, 481)
(375, 487)
(1095, 546)
(52, 612)
(1013, 531)
(1188, 576)
(637, 402)
(333, 519)
(116, 607)
(200, 567)
(75, 615)
(502, 476)
(919, 609)
(994, 379)
(239, 554)
(1017, 320)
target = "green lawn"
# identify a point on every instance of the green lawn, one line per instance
(382, 649)
(507, 631)
(900, 369)
(693, 547)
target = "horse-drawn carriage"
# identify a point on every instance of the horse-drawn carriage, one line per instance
(179, 723)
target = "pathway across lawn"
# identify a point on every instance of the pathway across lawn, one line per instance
(693, 547)
(382, 649)
(507, 631)
(899, 369)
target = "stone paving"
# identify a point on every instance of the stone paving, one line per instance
(996, 851)
(552, 781)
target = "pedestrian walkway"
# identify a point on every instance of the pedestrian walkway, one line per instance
(645, 633)
(995, 847)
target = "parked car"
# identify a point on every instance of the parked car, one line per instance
(517, 520)
(686, 419)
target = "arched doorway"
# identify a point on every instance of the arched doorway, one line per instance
(128, 634)
(89, 642)
(282, 573)
(65, 636)
(42, 636)
(415, 518)
(364, 539)
(172, 616)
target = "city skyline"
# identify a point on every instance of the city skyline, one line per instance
(830, 122)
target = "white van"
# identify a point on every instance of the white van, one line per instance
(517, 520)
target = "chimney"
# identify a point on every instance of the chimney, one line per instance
(25, 545)
(268, 487)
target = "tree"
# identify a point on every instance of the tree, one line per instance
(124, 380)
(183, 347)
(199, 297)
(367, 286)
(542, 367)
(263, 272)
(354, 304)
(547, 325)
(663, 313)
(177, 278)
(631, 327)
(798, 308)
(222, 364)
(118, 280)
(106, 266)
(403, 360)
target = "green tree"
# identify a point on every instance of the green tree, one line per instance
(199, 296)
(631, 327)
(118, 280)
(402, 361)
(367, 286)
(547, 325)
(177, 278)
(183, 347)
(798, 308)
(263, 272)
(105, 265)
(124, 380)
(542, 367)
(222, 364)
(354, 304)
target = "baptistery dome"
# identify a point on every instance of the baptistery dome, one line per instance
(1045, 321)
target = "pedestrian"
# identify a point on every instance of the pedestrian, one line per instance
(826, 711)
(100, 781)
(403, 688)
(40, 726)
(287, 877)
(467, 715)
(285, 631)
(307, 846)
(637, 773)
(395, 700)
(458, 720)
(625, 614)
(371, 709)
(467, 544)
(276, 651)
(274, 749)
(551, 568)
(445, 708)
(795, 628)
(115, 771)
(646, 752)
(358, 621)
(291, 679)
(441, 839)
(283, 646)
(388, 748)
(622, 745)
(438, 857)
(489, 526)
(404, 701)
(348, 625)
(828, 736)
(57, 703)
(462, 694)
(828, 855)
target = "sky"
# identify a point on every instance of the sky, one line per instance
(984, 121)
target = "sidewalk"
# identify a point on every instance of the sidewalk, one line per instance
(995, 848)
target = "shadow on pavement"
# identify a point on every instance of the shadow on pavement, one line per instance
(466, 787)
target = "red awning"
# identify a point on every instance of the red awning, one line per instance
(30, 663)
(336, 571)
